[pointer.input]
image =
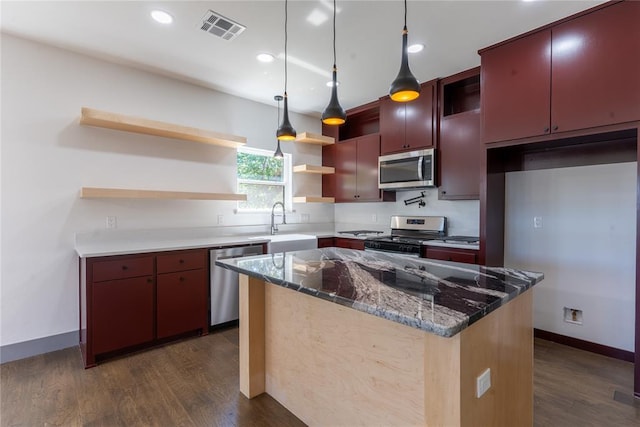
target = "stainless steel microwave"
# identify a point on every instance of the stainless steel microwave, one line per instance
(414, 169)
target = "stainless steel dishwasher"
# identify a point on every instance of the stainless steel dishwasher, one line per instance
(224, 283)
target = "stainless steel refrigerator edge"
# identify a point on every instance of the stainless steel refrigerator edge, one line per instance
(224, 283)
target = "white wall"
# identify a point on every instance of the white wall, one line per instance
(463, 216)
(585, 248)
(47, 157)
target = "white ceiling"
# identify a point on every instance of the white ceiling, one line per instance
(368, 40)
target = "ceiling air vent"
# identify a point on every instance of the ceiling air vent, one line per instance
(218, 25)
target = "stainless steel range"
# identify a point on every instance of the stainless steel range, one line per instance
(408, 234)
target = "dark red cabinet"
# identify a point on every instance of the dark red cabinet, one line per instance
(408, 126)
(325, 242)
(341, 242)
(467, 256)
(578, 74)
(132, 301)
(516, 82)
(595, 69)
(356, 170)
(122, 313)
(182, 302)
(460, 148)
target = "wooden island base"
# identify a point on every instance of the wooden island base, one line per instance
(331, 365)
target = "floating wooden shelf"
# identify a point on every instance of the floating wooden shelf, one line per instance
(314, 138)
(104, 119)
(314, 169)
(121, 193)
(313, 199)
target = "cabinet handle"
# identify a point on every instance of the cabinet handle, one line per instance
(555, 127)
(181, 279)
(149, 280)
(546, 130)
(124, 267)
(444, 192)
(181, 261)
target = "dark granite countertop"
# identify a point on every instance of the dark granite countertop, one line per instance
(435, 296)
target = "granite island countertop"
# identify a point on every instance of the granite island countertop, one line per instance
(435, 296)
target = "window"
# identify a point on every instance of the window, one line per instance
(264, 179)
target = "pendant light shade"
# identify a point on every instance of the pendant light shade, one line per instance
(285, 132)
(334, 114)
(405, 87)
(278, 153)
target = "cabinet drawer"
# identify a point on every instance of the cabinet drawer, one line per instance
(455, 255)
(181, 261)
(122, 268)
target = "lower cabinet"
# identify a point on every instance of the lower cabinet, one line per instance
(326, 242)
(131, 301)
(467, 256)
(341, 242)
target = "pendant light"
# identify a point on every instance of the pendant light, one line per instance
(285, 132)
(278, 154)
(334, 114)
(405, 87)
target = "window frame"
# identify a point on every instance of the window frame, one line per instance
(287, 183)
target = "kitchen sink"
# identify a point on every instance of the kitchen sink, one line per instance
(288, 242)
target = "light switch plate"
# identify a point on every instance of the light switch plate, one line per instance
(483, 383)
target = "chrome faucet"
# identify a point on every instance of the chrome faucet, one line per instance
(274, 226)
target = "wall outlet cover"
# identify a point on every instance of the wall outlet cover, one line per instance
(483, 383)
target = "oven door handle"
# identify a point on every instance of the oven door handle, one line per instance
(382, 251)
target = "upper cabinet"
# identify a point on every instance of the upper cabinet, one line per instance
(356, 170)
(407, 126)
(578, 74)
(460, 148)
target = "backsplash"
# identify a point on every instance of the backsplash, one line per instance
(463, 216)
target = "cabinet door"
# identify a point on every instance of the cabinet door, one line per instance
(122, 313)
(392, 125)
(459, 155)
(596, 69)
(182, 302)
(345, 175)
(420, 118)
(368, 151)
(516, 81)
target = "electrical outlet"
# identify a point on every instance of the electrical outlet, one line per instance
(304, 217)
(220, 219)
(374, 218)
(112, 222)
(537, 222)
(483, 383)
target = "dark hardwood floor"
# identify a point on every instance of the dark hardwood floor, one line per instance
(195, 383)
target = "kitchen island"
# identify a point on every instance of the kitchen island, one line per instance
(344, 337)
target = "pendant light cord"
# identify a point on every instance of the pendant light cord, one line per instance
(405, 14)
(334, 34)
(286, 18)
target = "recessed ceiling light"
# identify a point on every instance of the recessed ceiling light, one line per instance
(317, 17)
(161, 16)
(265, 57)
(415, 48)
(330, 83)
